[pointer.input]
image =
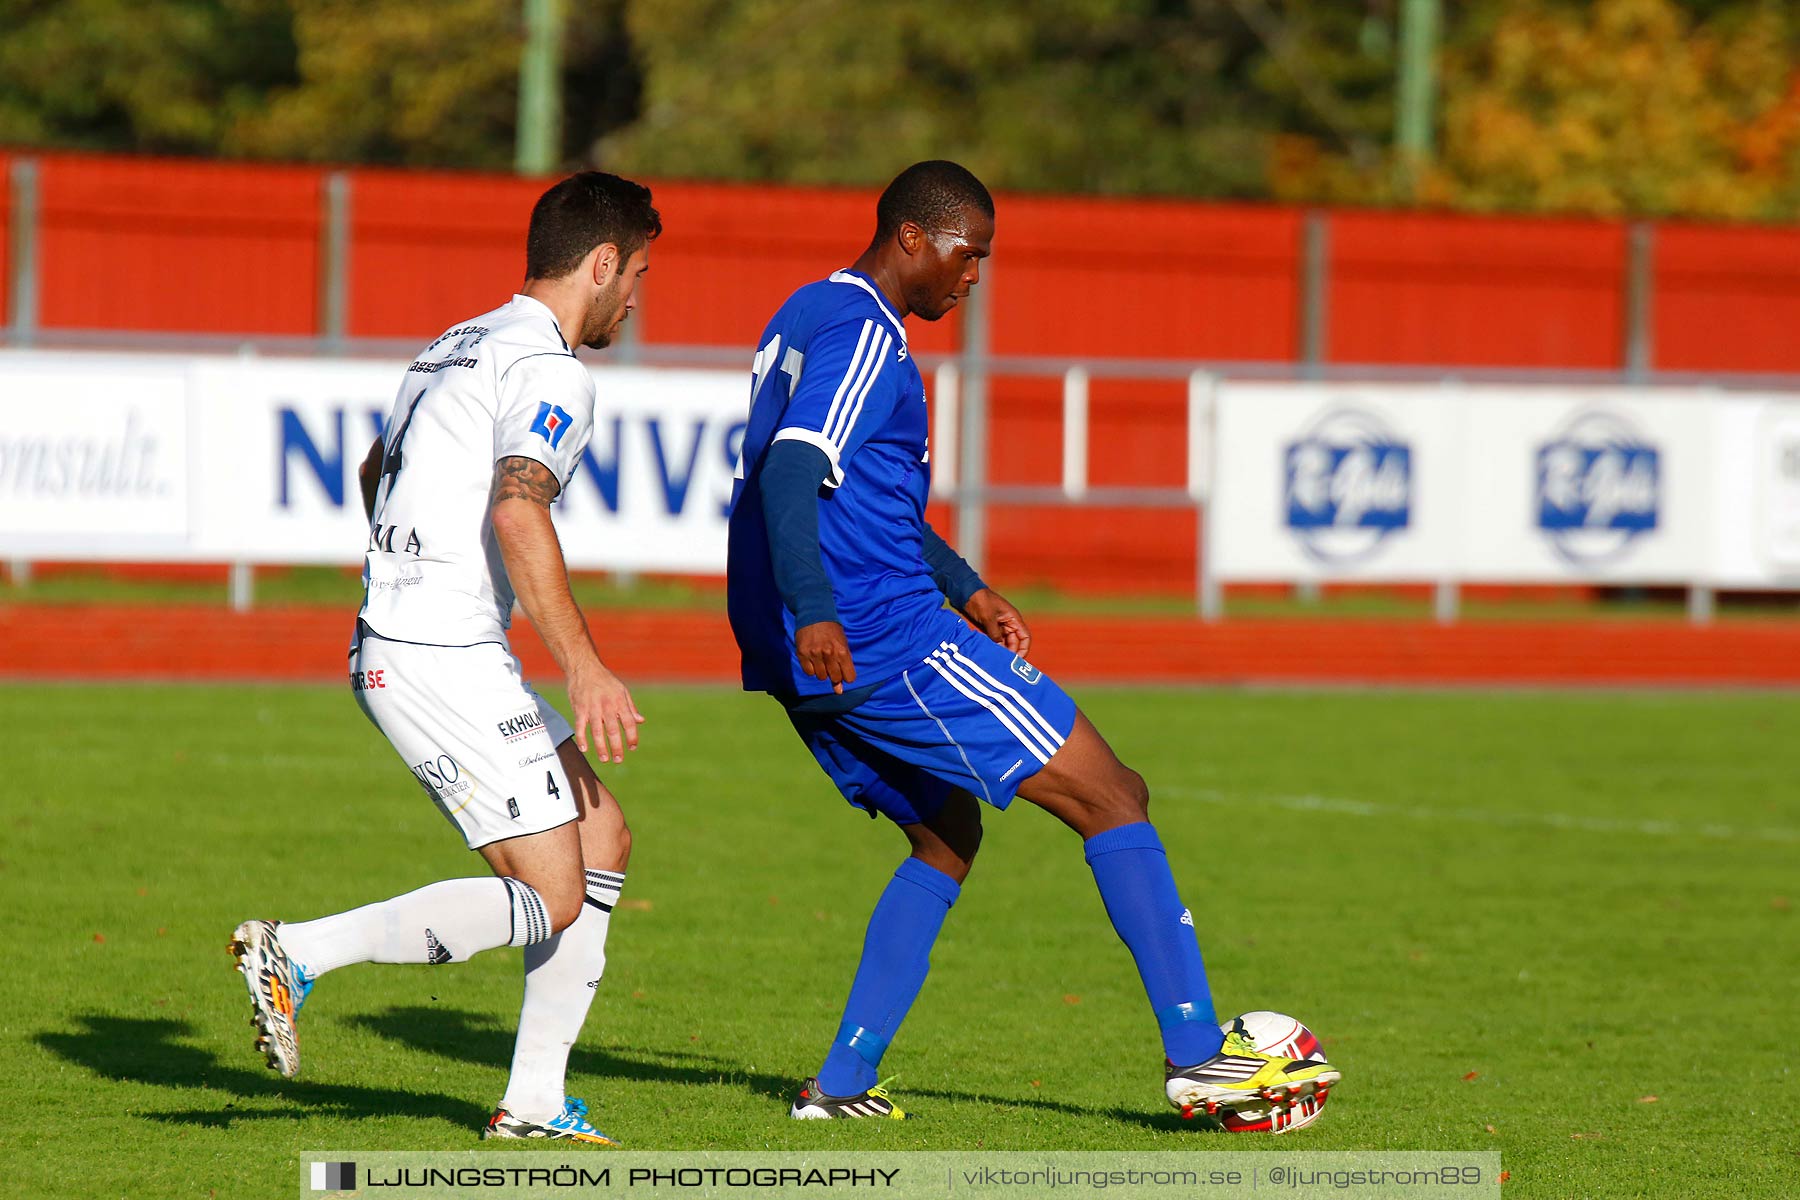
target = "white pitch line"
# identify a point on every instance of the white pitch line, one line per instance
(1479, 816)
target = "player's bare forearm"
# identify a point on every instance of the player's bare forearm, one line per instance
(520, 507)
(368, 476)
(520, 512)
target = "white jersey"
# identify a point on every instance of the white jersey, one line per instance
(500, 385)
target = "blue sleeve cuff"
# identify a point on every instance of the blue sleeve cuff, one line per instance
(954, 577)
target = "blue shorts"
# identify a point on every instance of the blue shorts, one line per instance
(971, 715)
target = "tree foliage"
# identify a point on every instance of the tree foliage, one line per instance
(1599, 106)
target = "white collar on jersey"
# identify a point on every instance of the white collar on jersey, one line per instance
(886, 309)
(534, 302)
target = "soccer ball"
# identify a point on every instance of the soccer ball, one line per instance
(1280, 1034)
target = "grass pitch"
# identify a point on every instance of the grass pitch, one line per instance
(1559, 926)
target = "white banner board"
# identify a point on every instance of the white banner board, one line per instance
(1544, 484)
(94, 458)
(242, 459)
(219, 459)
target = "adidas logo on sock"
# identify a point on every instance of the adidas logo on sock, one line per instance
(435, 953)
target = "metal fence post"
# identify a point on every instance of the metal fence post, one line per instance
(1075, 433)
(1315, 262)
(946, 413)
(334, 255)
(243, 586)
(971, 450)
(1203, 455)
(1700, 600)
(22, 284)
(629, 349)
(22, 279)
(1640, 298)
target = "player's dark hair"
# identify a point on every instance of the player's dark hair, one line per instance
(585, 210)
(932, 195)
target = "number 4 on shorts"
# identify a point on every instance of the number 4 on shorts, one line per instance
(550, 787)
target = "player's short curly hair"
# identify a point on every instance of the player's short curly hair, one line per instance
(585, 210)
(931, 195)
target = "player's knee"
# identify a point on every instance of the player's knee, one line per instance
(1126, 797)
(562, 909)
(1137, 793)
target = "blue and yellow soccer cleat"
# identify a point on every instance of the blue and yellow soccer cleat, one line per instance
(812, 1104)
(277, 986)
(1240, 1074)
(570, 1125)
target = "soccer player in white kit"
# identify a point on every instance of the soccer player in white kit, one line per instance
(488, 426)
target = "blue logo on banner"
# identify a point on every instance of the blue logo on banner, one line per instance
(1346, 486)
(551, 423)
(1599, 487)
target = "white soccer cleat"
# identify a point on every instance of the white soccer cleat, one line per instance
(277, 989)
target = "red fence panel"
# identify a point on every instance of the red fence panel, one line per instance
(1142, 278)
(177, 246)
(1476, 291)
(1137, 437)
(428, 249)
(731, 253)
(1726, 299)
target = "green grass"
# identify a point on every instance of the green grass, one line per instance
(1527, 912)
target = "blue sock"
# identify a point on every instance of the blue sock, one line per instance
(1132, 872)
(896, 954)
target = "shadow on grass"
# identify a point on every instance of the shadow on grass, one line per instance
(134, 1050)
(453, 1033)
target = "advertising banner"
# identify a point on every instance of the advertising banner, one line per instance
(1757, 518)
(1332, 482)
(93, 457)
(1540, 484)
(1585, 484)
(220, 459)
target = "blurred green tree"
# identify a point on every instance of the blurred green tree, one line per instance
(392, 81)
(172, 76)
(1627, 107)
(1601, 106)
(1084, 95)
(1614, 107)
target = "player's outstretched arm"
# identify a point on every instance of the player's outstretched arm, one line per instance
(520, 510)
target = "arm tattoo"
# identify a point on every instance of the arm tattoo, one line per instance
(519, 478)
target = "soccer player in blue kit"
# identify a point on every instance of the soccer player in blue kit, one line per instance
(836, 592)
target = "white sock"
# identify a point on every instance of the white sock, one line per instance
(439, 923)
(561, 976)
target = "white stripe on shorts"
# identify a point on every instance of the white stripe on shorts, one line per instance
(942, 728)
(1037, 729)
(1056, 739)
(1031, 744)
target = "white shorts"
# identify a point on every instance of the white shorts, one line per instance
(479, 740)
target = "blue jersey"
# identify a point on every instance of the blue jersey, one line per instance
(834, 372)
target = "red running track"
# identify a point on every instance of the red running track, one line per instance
(193, 642)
